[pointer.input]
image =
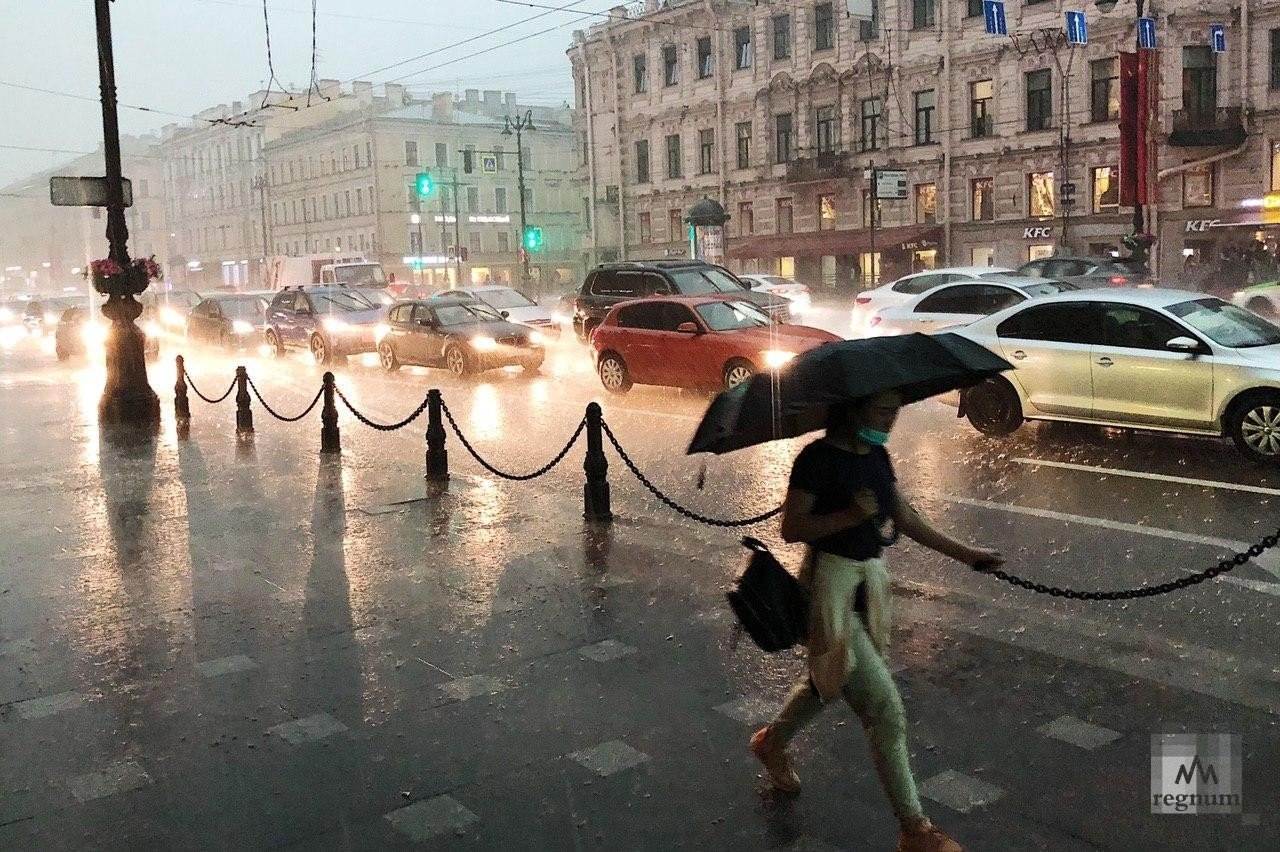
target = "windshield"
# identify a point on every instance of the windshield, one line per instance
(245, 309)
(1047, 288)
(183, 298)
(706, 280)
(503, 299)
(463, 314)
(1226, 324)
(360, 275)
(335, 301)
(731, 316)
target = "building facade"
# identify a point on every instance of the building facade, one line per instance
(1010, 145)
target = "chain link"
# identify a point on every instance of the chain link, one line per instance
(688, 513)
(1222, 567)
(514, 477)
(278, 416)
(192, 385)
(381, 427)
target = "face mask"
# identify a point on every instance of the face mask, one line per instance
(873, 436)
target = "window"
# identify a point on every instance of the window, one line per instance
(1039, 99)
(824, 28)
(926, 203)
(782, 37)
(1071, 322)
(640, 67)
(670, 66)
(1199, 81)
(642, 161)
(1106, 189)
(499, 199)
(675, 225)
(528, 197)
(784, 211)
(410, 153)
(1275, 166)
(746, 219)
(1130, 327)
(706, 151)
(826, 212)
(782, 138)
(869, 30)
(1197, 186)
(475, 238)
(871, 124)
(646, 229)
(468, 158)
(356, 153)
(706, 59)
(981, 120)
(442, 155)
(673, 156)
(926, 103)
(924, 14)
(826, 129)
(979, 299)
(504, 242)
(1104, 92)
(1275, 59)
(743, 54)
(974, 9)
(473, 199)
(499, 158)
(744, 144)
(1040, 194)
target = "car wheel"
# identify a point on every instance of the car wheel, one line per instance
(993, 408)
(320, 350)
(614, 374)
(736, 372)
(1254, 425)
(387, 357)
(456, 361)
(588, 328)
(274, 344)
(1263, 308)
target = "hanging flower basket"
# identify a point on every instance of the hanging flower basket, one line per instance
(110, 279)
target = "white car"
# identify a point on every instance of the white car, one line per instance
(513, 305)
(788, 288)
(1165, 360)
(1262, 299)
(961, 303)
(899, 292)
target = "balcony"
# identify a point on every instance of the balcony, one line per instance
(1203, 128)
(819, 166)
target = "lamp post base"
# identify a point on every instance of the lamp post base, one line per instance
(127, 398)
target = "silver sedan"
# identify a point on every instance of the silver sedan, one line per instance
(1146, 359)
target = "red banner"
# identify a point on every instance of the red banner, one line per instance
(1129, 129)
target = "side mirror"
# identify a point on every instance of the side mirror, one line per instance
(1183, 344)
(688, 328)
(506, 314)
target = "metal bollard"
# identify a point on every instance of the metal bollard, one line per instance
(595, 493)
(181, 406)
(437, 455)
(244, 416)
(330, 439)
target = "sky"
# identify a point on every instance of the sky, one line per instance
(182, 56)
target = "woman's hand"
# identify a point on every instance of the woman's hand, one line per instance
(975, 556)
(865, 507)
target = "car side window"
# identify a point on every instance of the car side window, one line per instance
(981, 299)
(647, 316)
(1068, 322)
(673, 315)
(615, 284)
(1034, 269)
(1131, 327)
(423, 314)
(400, 313)
(655, 285)
(282, 302)
(919, 284)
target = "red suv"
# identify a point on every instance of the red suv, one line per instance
(694, 342)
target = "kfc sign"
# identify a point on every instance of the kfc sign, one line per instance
(1199, 226)
(1037, 233)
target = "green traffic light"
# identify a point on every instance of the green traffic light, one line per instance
(533, 239)
(425, 184)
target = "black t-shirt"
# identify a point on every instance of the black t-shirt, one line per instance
(833, 476)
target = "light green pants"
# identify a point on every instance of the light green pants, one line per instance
(871, 693)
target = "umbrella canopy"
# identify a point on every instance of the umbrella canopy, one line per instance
(794, 401)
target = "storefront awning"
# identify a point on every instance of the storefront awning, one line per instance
(901, 239)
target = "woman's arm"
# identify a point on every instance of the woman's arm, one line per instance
(799, 523)
(918, 529)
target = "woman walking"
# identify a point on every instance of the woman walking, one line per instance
(841, 496)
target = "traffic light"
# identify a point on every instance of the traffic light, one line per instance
(533, 239)
(425, 184)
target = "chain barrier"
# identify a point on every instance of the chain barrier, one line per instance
(1222, 567)
(514, 477)
(192, 385)
(279, 416)
(381, 427)
(688, 513)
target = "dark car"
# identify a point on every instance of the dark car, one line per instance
(330, 322)
(611, 283)
(465, 336)
(1088, 272)
(42, 313)
(80, 333)
(230, 320)
(167, 309)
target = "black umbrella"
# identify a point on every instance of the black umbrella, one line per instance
(794, 401)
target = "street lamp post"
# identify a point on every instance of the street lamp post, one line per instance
(521, 124)
(260, 184)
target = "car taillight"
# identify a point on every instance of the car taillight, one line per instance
(862, 300)
(1118, 280)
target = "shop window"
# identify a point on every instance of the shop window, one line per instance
(926, 203)
(784, 216)
(1040, 194)
(1275, 166)
(982, 256)
(869, 270)
(826, 212)
(787, 267)
(1039, 252)
(1197, 186)
(1106, 189)
(982, 192)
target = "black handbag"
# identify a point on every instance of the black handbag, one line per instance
(770, 604)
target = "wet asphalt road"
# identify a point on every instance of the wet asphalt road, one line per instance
(241, 540)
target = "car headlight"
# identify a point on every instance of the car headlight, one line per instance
(169, 316)
(93, 333)
(537, 338)
(242, 327)
(380, 331)
(50, 318)
(335, 324)
(151, 328)
(775, 358)
(484, 344)
(561, 319)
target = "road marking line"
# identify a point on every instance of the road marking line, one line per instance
(1159, 477)
(437, 668)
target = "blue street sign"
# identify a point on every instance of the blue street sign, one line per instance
(1077, 29)
(1147, 33)
(1218, 38)
(993, 12)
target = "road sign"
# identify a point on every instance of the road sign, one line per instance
(1077, 28)
(890, 184)
(85, 191)
(1147, 33)
(1218, 38)
(993, 12)
(489, 164)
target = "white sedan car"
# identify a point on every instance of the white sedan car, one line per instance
(788, 288)
(1262, 299)
(513, 305)
(866, 304)
(1164, 360)
(960, 304)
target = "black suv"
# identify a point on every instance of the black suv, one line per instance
(611, 283)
